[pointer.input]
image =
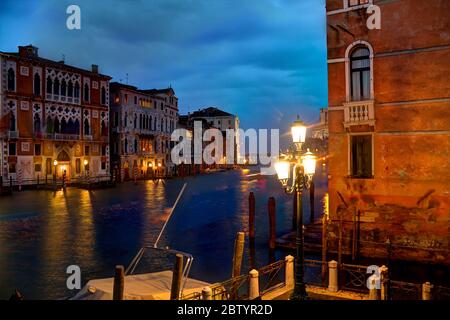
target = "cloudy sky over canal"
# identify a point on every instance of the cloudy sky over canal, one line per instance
(264, 60)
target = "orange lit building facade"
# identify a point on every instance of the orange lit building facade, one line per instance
(142, 122)
(389, 127)
(51, 111)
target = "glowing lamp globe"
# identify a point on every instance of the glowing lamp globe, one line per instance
(282, 169)
(298, 131)
(309, 163)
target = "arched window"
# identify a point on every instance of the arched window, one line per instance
(76, 126)
(12, 121)
(56, 125)
(49, 85)
(135, 120)
(135, 145)
(37, 123)
(103, 95)
(70, 89)
(77, 90)
(104, 128)
(63, 88)
(70, 127)
(126, 146)
(37, 84)
(86, 92)
(140, 121)
(64, 125)
(86, 127)
(150, 123)
(360, 74)
(125, 121)
(49, 125)
(56, 87)
(11, 80)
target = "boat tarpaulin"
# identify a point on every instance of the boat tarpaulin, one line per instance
(148, 286)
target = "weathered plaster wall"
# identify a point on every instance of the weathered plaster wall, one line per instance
(408, 200)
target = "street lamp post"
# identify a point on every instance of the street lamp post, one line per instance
(86, 167)
(302, 173)
(55, 164)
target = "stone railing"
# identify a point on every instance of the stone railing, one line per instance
(359, 113)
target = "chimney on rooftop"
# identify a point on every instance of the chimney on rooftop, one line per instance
(95, 68)
(28, 51)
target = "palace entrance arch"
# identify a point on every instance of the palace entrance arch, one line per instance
(63, 159)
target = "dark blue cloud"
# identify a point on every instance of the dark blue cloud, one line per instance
(264, 60)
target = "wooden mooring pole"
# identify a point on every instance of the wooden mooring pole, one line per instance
(354, 236)
(324, 248)
(177, 278)
(272, 222)
(119, 283)
(251, 216)
(341, 225)
(238, 254)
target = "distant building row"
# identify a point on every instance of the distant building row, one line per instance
(56, 119)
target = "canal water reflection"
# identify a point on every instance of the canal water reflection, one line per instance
(42, 232)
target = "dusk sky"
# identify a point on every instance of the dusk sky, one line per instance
(264, 60)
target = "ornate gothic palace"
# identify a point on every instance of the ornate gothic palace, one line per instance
(54, 118)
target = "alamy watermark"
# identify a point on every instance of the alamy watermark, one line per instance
(73, 21)
(374, 281)
(374, 20)
(73, 282)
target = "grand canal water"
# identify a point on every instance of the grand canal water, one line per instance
(43, 232)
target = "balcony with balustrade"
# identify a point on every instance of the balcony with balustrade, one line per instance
(359, 113)
(66, 137)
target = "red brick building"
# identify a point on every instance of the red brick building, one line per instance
(51, 111)
(389, 127)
